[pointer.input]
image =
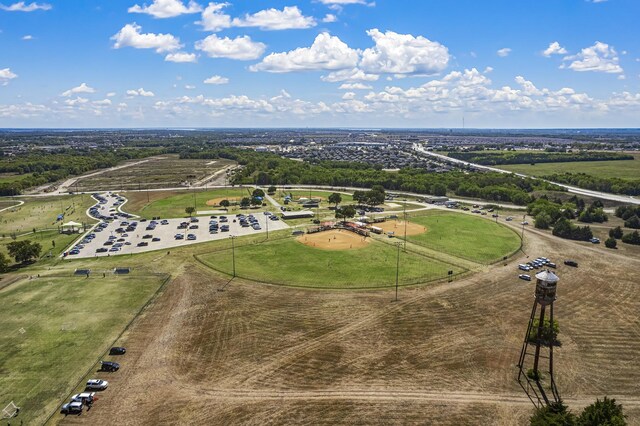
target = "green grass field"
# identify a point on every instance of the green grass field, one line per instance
(303, 193)
(466, 236)
(172, 203)
(41, 213)
(289, 262)
(46, 240)
(623, 169)
(68, 323)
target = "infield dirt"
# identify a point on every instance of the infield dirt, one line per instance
(335, 239)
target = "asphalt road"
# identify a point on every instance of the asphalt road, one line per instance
(572, 189)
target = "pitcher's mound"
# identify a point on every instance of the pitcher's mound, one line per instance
(397, 226)
(216, 201)
(334, 240)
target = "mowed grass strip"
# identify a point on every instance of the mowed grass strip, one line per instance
(288, 262)
(67, 322)
(41, 213)
(623, 169)
(171, 204)
(466, 236)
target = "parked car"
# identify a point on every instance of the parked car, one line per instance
(109, 366)
(117, 350)
(525, 277)
(96, 384)
(147, 236)
(572, 263)
(84, 397)
(143, 244)
(191, 237)
(595, 240)
(102, 250)
(156, 239)
(72, 408)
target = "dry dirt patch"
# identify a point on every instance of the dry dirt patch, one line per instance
(216, 201)
(335, 239)
(398, 227)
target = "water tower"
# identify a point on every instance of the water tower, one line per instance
(540, 338)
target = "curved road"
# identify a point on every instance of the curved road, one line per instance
(572, 189)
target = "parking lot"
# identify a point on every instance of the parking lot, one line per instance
(126, 234)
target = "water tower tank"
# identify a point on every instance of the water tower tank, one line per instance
(546, 282)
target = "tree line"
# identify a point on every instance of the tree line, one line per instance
(586, 181)
(520, 157)
(271, 169)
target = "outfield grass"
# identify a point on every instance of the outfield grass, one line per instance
(288, 262)
(623, 169)
(466, 236)
(41, 213)
(68, 323)
(173, 203)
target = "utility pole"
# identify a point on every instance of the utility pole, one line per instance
(267, 223)
(233, 254)
(405, 224)
(397, 270)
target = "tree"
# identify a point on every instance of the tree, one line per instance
(189, 210)
(345, 212)
(335, 198)
(255, 201)
(4, 263)
(632, 238)
(605, 412)
(271, 190)
(632, 222)
(616, 232)
(359, 197)
(542, 220)
(257, 193)
(439, 189)
(245, 202)
(24, 251)
(555, 414)
(225, 203)
(610, 243)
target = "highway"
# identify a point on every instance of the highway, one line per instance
(572, 189)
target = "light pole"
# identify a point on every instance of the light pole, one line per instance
(233, 254)
(405, 223)
(397, 270)
(266, 221)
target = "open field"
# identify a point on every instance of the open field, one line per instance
(623, 169)
(5, 203)
(293, 263)
(41, 213)
(445, 353)
(158, 172)
(52, 329)
(46, 240)
(172, 203)
(465, 236)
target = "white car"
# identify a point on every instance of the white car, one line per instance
(84, 397)
(97, 384)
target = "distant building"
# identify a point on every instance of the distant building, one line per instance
(435, 199)
(298, 214)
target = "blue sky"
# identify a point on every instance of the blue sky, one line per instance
(319, 63)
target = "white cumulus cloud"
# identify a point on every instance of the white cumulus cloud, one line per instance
(503, 52)
(354, 86)
(353, 74)
(181, 57)
(599, 58)
(166, 8)
(22, 6)
(290, 17)
(6, 75)
(140, 92)
(326, 53)
(130, 36)
(395, 53)
(329, 17)
(241, 48)
(83, 88)
(216, 79)
(554, 49)
(213, 19)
